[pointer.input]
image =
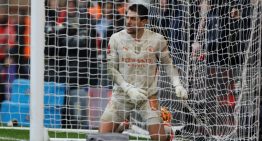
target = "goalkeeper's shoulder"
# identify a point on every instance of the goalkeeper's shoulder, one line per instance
(118, 35)
(155, 35)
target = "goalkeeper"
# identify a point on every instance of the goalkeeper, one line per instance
(134, 56)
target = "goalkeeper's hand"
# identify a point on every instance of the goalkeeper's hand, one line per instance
(179, 89)
(136, 95)
(181, 92)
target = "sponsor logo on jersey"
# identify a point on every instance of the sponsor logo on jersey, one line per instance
(138, 60)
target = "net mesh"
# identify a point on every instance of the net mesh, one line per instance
(215, 44)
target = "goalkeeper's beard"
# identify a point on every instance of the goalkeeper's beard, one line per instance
(134, 31)
(131, 31)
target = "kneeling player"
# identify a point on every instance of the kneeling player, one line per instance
(134, 57)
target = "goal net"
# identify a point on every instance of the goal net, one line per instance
(215, 44)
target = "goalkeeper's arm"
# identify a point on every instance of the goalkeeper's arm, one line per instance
(135, 94)
(172, 71)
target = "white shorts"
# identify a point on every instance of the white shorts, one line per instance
(119, 110)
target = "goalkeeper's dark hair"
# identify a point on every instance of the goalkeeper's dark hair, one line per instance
(141, 10)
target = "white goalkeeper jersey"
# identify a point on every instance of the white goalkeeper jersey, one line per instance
(136, 61)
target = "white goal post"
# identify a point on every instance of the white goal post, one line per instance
(37, 131)
(215, 44)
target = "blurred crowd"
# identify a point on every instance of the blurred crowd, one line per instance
(14, 43)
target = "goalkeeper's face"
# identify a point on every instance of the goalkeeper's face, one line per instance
(133, 22)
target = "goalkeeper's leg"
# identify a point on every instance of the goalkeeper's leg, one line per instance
(152, 114)
(108, 127)
(157, 132)
(114, 114)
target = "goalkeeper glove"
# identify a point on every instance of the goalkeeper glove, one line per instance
(136, 95)
(181, 92)
(179, 89)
